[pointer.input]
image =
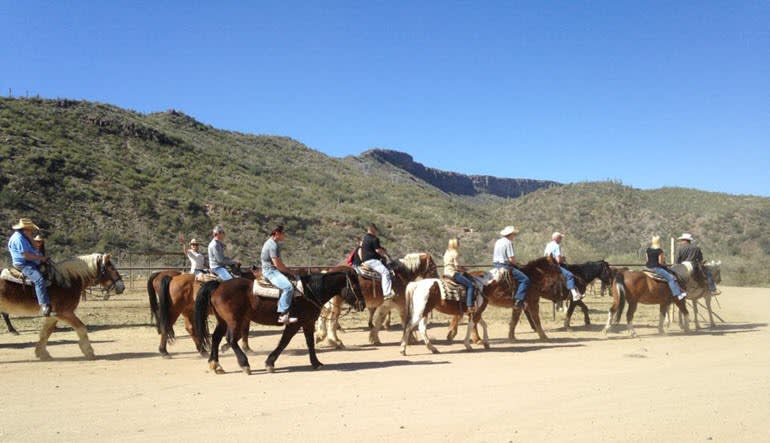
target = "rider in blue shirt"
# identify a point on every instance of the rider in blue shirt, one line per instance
(27, 259)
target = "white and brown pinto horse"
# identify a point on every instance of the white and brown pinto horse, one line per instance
(424, 296)
(72, 277)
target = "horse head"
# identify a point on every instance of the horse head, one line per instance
(715, 267)
(416, 265)
(109, 277)
(605, 275)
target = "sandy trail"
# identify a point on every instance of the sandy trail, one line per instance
(712, 385)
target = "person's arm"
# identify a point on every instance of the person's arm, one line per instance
(34, 257)
(662, 259)
(278, 263)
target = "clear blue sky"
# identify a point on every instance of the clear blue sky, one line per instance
(673, 93)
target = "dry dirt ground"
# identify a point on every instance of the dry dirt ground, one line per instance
(712, 385)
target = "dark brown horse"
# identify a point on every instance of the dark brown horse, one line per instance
(153, 289)
(71, 279)
(234, 306)
(634, 287)
(545, 281)
(584, 274)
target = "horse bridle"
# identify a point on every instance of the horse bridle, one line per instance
(102, 269)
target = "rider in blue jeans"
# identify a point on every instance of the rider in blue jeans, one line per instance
(504, 257)
(274, 269)
(27, 259)
(656, 263)
(553, 248)
(217, 259)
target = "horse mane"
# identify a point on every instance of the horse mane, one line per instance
(538, 265)
(412, 261)
(82, 268)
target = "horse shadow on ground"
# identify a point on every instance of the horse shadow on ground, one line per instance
(51, 343)
(511, 348)
(347, 367)
(620, 331)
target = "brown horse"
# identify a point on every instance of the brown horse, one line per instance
(71, 279)
(8, 324)
(234, 306)
(153, 288)
(636, 287)
(545, 281)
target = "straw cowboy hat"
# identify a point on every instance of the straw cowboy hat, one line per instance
(508, 230)
(655, 243)
(25, 223)
(38, 237)
(194, 242)
(556, 235)
(686, 236)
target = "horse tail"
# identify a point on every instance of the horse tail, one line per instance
(153, 300)
(164, 310)
(201, 323)
(620, 285)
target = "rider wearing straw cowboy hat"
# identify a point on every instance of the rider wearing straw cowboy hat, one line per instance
(504, 257)
(198, 261)
(27, 259)
(689, 252)
(553, 248)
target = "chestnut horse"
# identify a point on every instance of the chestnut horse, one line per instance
(71, 279)
(636, 287)
(153, 289)
(234, 306)
(423, 296)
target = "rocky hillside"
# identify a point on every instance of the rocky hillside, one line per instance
(99, 178)
(457, 183)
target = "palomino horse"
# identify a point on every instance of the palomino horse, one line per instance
(423, 296)
(411, 267)
(71, 279)
(636, 287)
(234, 306)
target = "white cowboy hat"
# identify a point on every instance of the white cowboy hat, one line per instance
(556, 234)
(194, 242)
(38, 237)
(25, 223)
(508, 230)
(686, 236)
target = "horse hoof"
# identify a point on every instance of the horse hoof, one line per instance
(486, 345)
(468, 349)
(165, 355)
(201, 354)
(43, 355)
(402, 352)
(246, 370)
(435, 351)
(317, 366)
(90, 356)
(270, 369)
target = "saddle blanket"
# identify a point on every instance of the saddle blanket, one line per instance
(453, 291)
(272, 292)
(206, 277)
(369, 273)
(15, 276)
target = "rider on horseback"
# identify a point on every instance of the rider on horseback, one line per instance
(198, 261)
(689, 252)
(217, 258)
(453, 270)
(274, 269)
(504, 257)
(372, 255)
(27, 259)
(656, 263)
(553, 248)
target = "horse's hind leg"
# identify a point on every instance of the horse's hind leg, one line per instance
(45, 331)
(243, 361)
(216, 337)
(711, 312)
(662, 320)
(80, 329)
(515, 315)
(422, 326)
(471, 326)
(11, 329)
(314, 362)
(485, 334)
(630, 318)
(695, 314)
(453, 324)
(534, 310)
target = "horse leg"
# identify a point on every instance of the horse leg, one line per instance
(45, 332)
(405, 338)
(288, 333)
(314, 362)
(584, 308)
(682, 305)
(188, 326)
(453, 324)
(376, 323)
(11, 329)
(535, 312)
(80, 329)
(371, 316)
(515, 315)
(216, 337)
(712, 325)
(608, 326)
(235, 335)
(662, 320)
(568, 316)
(422, 326)
(467, 341)
(485, 334)
(630, 318)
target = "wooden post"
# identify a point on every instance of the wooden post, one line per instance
(672, 251)
(130, 271)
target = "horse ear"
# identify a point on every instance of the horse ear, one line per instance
(106, 258)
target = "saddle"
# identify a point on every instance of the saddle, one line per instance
(453, 291)
(681, 273)
(15, 276)
(369, 273)
(206, 277)
(263, 288)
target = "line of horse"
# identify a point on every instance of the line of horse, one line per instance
(415, 280)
